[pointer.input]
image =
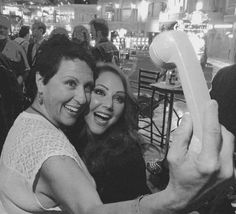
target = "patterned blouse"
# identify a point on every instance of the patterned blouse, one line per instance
(30, 142)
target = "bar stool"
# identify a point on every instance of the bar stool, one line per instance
(168, 91)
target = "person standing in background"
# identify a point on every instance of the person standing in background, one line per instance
(38, 31)
(223, 90)
(104, 49)
(23, 38)
(13, 51)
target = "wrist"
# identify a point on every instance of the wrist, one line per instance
(175, 202)
(164, 202)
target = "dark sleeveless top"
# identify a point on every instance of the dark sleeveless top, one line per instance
(118, 167)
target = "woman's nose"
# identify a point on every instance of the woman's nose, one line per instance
(108, 102)
(80, 96)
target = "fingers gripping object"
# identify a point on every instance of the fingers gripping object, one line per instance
(175, 47)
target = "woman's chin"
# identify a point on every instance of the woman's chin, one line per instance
(97, 130)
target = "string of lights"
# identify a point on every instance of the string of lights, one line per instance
(48, 2)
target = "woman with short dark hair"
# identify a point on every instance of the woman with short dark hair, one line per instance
(41, 172)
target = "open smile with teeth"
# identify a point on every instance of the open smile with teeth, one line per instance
(102, 116)
(72, 109)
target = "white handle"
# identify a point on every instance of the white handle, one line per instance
(175, 47)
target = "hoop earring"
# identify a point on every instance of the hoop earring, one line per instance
(40, 98)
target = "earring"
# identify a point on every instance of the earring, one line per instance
(40, 98)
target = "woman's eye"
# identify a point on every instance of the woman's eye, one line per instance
(119, 99)
(99, 91)
(71, 83)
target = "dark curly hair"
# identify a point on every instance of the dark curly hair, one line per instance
(49, 57)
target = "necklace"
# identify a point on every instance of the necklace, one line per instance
(40, 113)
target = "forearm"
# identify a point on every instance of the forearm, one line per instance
(159, 203)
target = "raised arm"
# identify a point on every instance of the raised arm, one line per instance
(194, 177)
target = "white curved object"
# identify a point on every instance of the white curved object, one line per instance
(175, 47)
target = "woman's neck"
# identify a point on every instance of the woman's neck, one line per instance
(37, 109)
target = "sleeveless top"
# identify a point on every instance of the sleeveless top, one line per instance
(31, 141)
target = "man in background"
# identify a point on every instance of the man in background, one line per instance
(38, 31)
(13, 51)
(23, 38)
(104, 49)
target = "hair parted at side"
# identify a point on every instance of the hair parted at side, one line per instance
(100, 25)
(128, 119)
(127, 123)
(116, 139)
(53, 51)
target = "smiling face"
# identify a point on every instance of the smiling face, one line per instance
(67, 93)
(107, 102)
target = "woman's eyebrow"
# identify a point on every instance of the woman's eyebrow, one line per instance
(121, 92)
(103, 86)
(71, 77)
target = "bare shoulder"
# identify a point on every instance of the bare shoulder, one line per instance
(59, 164)
(65, 181)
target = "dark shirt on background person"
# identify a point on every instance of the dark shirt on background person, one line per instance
(106, 51)
(223, 90)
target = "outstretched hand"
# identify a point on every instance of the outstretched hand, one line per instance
(196, 177)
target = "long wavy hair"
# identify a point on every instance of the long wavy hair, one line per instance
(128, 120)
(94, 149)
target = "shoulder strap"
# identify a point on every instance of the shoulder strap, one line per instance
(21, 42)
